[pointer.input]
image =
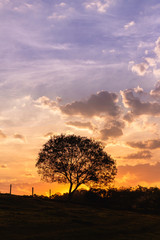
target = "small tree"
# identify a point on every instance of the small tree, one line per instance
(75, 160)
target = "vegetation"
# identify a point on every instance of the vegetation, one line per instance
(140, 199)
(76, 160)
(23, 218)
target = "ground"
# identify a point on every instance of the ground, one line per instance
(27, 218)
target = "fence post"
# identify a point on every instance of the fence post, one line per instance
(49, 192)
(32, 191)
(10, 189)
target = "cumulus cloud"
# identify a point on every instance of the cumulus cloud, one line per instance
(100, 6)
(140, 69)
(150, 62)
(129, 117)
(148, 144)
(45, 102)
(81, 125)
(138, 90)
(137, 106)
(156, 90)
(139, 155)
(2, 135)
(128, 25)
(102, 103)
(112, 132)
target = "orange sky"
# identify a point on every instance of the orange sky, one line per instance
(88, 67)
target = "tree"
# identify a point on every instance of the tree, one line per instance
(75, 160)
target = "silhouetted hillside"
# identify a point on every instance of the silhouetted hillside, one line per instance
(28, 218)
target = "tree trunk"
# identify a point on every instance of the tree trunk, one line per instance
(70, 188)
(72, 192)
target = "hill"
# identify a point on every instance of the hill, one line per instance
(27, 218)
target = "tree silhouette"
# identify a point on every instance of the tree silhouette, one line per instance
(75, 160)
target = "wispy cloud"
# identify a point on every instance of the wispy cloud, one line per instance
(2, 135)
(3, 166)
(128, 25)
(148, 144)
(139, 155)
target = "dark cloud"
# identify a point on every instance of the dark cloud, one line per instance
(81, 125)
(115, 123)
(102, 103)
(139, 155)
(148, 144)
(137, 106)
(128, 117)
(113, 132)
(112, 129)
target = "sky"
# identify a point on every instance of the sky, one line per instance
(84, 67)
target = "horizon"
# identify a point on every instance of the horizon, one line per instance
(85, 67)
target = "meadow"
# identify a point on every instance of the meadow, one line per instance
(34, 218)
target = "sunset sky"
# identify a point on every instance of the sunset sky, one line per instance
(88, 67)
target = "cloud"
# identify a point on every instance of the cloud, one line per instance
(137, 106)
(49, 134)
(129, 117)
(45, 102)
(62, 4)
(140, 69)
(112, 132)
(102, 103)
(142, 173)
(57, 16)
(128, 25)
(148, 144)
(156, 91)
(139, 155)
(81, 125)
(150, 62)
(23, 7)
(29, 175)
(100, 6)
(19, 136)
(2, 135)
(3, 166)
(157, 48)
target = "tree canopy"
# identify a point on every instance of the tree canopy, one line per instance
(75, 160)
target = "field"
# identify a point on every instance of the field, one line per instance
(30, 218)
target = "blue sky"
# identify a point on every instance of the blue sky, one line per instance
(84, 67)
(92, 42)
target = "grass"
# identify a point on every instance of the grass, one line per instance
(27, 218)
